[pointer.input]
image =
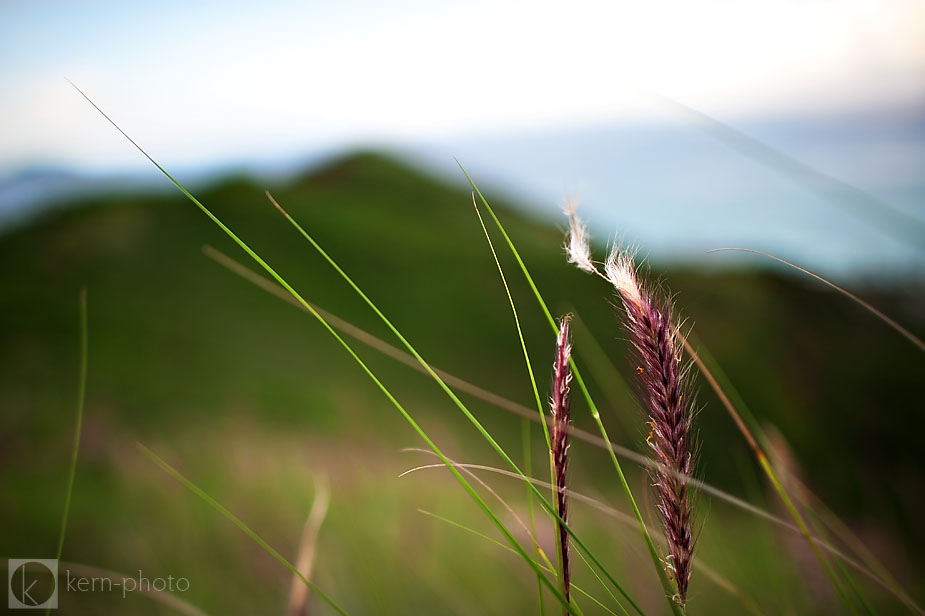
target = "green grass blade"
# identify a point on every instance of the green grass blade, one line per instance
(153, 457)
(769, 471)
(881, 578)
(495, 520)
(599, 580)
(528, 467)
(753, 433)
(804, 529)
(905, 333)
(520, 333)
(523, 345)
(78, 425)
(700, 564)
(459, 404)
(840, 567)
(667, 585)
(502, 546)
(605, 375)
(875, 570)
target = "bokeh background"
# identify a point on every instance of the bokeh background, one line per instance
(789, 127)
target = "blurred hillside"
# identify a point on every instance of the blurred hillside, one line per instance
(251, 397)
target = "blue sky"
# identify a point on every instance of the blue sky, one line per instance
(506, 85)
(199, 82)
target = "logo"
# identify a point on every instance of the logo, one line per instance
(33, 583)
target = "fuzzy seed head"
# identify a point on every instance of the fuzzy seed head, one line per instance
(578, 248)
(621, 272)
(559, 441)
(662, 382)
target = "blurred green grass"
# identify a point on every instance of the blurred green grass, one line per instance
(250, 399)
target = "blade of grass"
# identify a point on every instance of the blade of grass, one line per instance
(520, 333)
(625, 519)
(846, 535)
(522, 411)
(745, 418)
(603, 371)
(472, 531)
(536, 394)
(874, 569)
(160, 462)
(840, 567)
(769, 472)
(78, 424)
(877, 313)
(455, 399)
(540, 553)
(856, 201)
(667, 585)
(528, 466)
(504, 531)
(464, 468)
(600, 581)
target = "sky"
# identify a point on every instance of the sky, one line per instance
(202, 82)
(210, 85)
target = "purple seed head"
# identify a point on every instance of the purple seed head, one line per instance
(662, 383)
(559, 440)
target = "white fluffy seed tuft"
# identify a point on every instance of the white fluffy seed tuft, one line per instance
(578, 248)
(621, 272)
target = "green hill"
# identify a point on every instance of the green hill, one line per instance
(251, 398)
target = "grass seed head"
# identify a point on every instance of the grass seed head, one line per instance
(560, 409)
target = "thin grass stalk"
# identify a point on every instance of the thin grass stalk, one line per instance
(158, 461)
(836, 526)
(860, 203)
(620, 273)
(524, 412)
(541, 555)
(867, 306)
(459, 404)
(506, 404)
(604, 373)
(526, 355)
(520, 333)
(840, 567)
(272, 272)
(771, 475)
(616, 514)
(666, 583)
(472, 531)
(560, 410)
(78, 424)
(748, 424)
(298, 592)
(529, 366)
(464, 468)
(520, 336)
(528, 467)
